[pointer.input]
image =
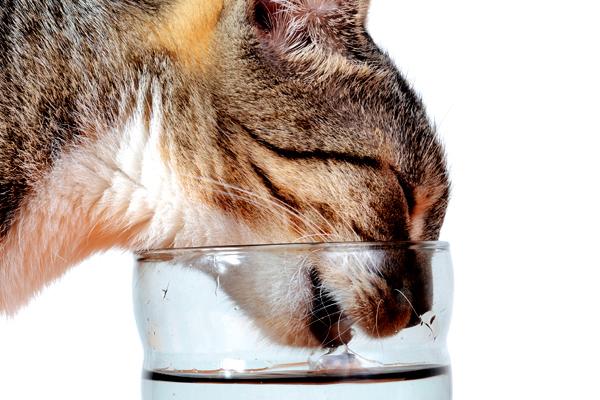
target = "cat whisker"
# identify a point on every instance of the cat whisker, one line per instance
(320, 235)
(377, 318)
(415, 311)
(278, 204)
(409, 303)
(328, 222)
(258, 204)
(347, 223)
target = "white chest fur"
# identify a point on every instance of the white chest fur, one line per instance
(111, 190)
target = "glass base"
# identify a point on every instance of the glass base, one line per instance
(432, 382)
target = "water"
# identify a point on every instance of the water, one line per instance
(214, 325)
(431, 382)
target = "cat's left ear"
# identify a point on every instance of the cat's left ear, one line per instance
(289, 25)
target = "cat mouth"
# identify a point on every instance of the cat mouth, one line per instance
(328, 323)
(379, 300)
(334, 327)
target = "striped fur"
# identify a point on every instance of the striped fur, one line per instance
(171, 123)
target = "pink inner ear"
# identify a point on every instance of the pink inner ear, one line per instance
(292, 25)
(277, 14)
(264, 11)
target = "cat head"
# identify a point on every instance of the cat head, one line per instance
(216, 122)
(314, 135)
(317, 130)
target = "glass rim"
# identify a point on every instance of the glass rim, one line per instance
(431, 244)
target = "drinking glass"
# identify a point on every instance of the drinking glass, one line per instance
(296, 321)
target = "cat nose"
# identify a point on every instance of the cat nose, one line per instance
(409, 277)
(399, 293)
(379, 293)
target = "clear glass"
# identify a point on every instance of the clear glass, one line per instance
(289, 321)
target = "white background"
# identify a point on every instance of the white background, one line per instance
(515, 91)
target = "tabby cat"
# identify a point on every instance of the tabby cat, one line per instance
(142, 124)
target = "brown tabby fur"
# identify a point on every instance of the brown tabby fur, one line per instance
(281, 120)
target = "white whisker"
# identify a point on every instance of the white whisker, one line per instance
(278, 204)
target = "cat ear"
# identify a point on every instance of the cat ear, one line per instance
(292, 25)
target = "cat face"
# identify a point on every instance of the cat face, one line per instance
(319, 138)
(314, 128)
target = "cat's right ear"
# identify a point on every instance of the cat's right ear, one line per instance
(287, 26)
